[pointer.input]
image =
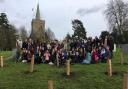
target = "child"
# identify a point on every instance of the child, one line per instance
(47, 56)
(72, 55)
(29, 56)
(77, 57)
(24, 56)
(94, 56)
(41, 54)
(53, 55)
(64, 57)
(36, 53)
(99, 53)
(105, 54)
(88, 58)
(81, 52)
(108, 53)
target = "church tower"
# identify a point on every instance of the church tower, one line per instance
(38, 12)
(38, 27)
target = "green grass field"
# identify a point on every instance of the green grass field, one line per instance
(6, 54)
(15, 76)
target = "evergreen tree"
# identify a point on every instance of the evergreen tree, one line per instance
(104, 34)
(78, 28)
(7, 33)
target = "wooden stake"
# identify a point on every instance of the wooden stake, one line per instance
(68, 68)
(1, 62)
(32, 64)
(105, 42)
(122, 58)
(109, 67)
(50, 84)
(125, 81)
(57, 59)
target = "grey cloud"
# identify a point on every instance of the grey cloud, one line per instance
(2, 1)
(21, 16)
(83, 12)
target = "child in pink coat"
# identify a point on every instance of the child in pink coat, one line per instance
(47, 56)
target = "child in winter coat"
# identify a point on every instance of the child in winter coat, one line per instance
(64, 57)
(88, 59)
(47, 56)
(95, 57)
(29, 56)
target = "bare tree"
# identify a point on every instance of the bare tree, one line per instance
(23, 33)
(50, 34)
(117, 15)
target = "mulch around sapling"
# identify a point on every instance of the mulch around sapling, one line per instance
(72, 75)
(117, 64)
(116, 73)
(4, 66)
(29, 73)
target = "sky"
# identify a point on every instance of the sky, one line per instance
(58, 14)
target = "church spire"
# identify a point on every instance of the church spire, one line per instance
(38, 12)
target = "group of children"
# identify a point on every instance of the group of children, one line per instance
(84, 52)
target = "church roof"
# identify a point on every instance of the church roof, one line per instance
(38, 12)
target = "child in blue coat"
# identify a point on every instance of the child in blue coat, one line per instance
(88, 59)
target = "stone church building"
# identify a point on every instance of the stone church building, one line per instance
(38, 27)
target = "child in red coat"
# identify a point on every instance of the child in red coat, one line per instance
(95, 57)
